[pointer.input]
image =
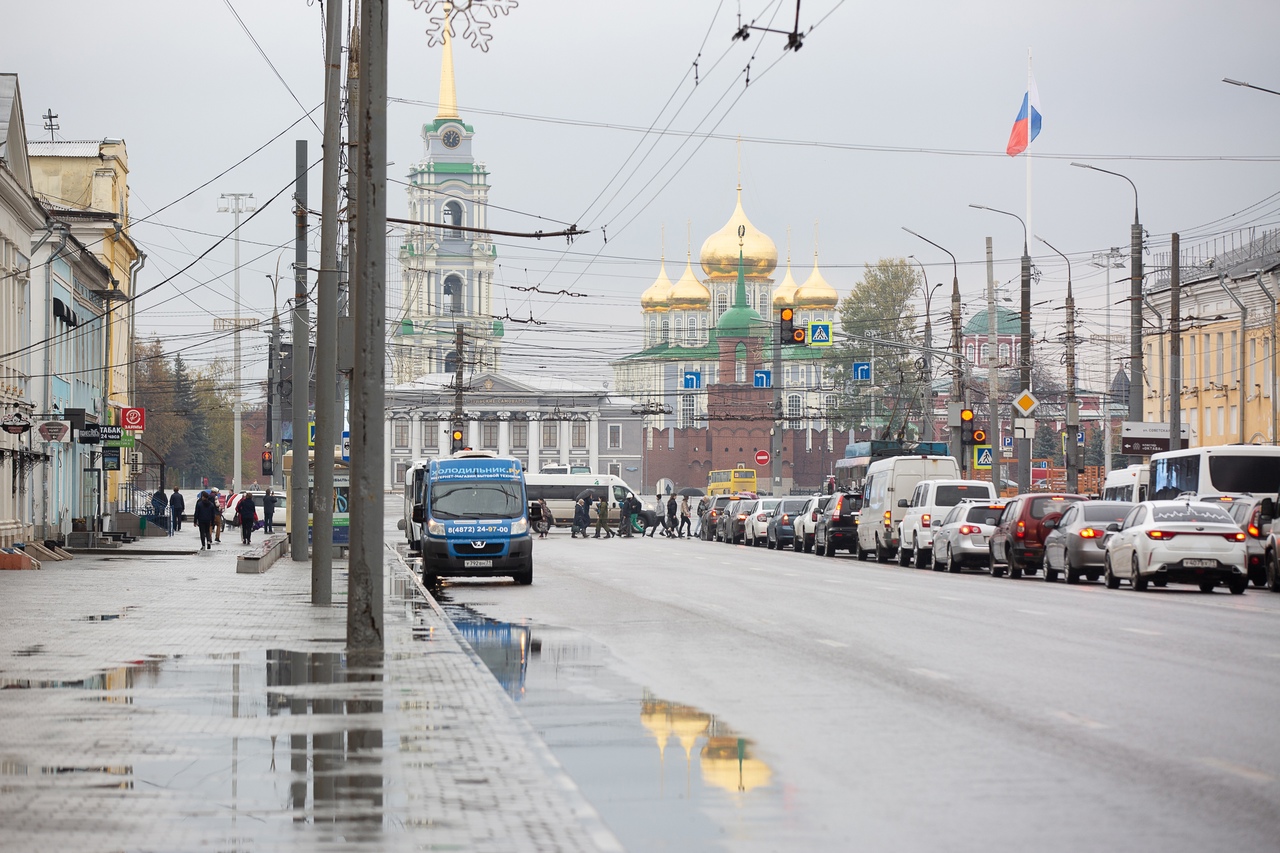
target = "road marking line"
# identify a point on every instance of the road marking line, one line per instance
(833, 644)
(1034, 612)
(950, 598)
(752, 568)
(832, 580)
(1143, 632)
(929, 673)
(789, 575)
(889, 588)
(1077, 720)
(1241, 770)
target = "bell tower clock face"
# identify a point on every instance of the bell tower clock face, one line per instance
(451, 138)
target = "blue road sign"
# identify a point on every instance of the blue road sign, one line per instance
(982, 456)
(1080, 438)
(346, 445)
(820, 335)
(1008, 442)
(762, 379)
(692, 380)
(862, 371)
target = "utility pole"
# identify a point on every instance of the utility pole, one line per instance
(301, 366)
(327, 317)
(1109, 261)
(775, 434)
(993, 373)
(1175, 347)
(235, 204)
(368, 395)
(1073, 409)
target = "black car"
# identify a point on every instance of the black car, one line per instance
(716, 508)
(838, 525)
(732, 523)
(781, 531)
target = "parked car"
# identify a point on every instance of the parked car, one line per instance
(711, 516)
(888, 481)
(806, 522)
(929, 502)
(755, 526)
(1246, 509)
(781, 530)
(1178, 541)
(1017, 544)
(837, 525)
(731, 526)
(960, 537)
(1074, 546)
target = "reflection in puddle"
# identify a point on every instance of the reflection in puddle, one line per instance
(701, 785)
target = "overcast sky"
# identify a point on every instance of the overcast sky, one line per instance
(892, 114)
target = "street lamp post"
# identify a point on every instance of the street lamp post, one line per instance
(236, 204)
(1135, 300)
(1073, 408)
(957, 383)
(928, 344)
(1024, 347)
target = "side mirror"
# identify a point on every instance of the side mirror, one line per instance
(1266, 512)
(1113, 527)
(419, 516)
(903, 502)
(400, 525)
(1049, 523)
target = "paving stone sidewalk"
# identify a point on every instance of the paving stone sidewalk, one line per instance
(164, 702)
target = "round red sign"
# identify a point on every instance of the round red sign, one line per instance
(762, 457)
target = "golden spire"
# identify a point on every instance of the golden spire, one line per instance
(448, 92)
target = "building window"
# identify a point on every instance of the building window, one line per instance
(578, 434)
(615, 436)
(703, 337)
(968, 352)
(679, 338)
(722, 305)
(615, 469)
(1004, 353)
(401, 468)
(653, 332)
(520, 434)
(400, 434)
(452, 216)
(986, 353)
(793, 411)
(688, 411)
(489, 434)
(551, 434)
(666, 331)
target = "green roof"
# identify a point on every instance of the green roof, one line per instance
(740, 321)
(1007, 322)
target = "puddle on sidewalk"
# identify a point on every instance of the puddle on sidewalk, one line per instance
(662, 774)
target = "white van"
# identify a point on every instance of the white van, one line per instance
(888, 481)
(561, 492)
(1127, 484)
(926, 507)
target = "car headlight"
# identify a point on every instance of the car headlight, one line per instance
(435, 528)
(520, 525)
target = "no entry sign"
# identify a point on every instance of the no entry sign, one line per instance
(762, 457)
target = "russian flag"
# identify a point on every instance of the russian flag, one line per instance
(1027, 126)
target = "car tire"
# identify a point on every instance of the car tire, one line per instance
(953, 566)
(430, 579)
(831, 548)
(1050, 575)
(883, 555)
(1093, 576)
(525, 576)
(770, 544)
(904, 556)
(922, 558)
(1208, 586)
(819, 549)
(995, 568)
(1238, 587)
(934, 562)
(1073, 575)
(1113, 582)
(859, 552)
(1015, 571)
(1273, 573)
(1160, 583)
(1136, 580)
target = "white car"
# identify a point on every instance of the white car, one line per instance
(930, 501)
(960, 537)
(756, 529)
(807, 522)
(1179, 541)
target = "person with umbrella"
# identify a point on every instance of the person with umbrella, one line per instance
(686, 523)
(581, 518)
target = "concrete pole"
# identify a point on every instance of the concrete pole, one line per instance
(957, 381)
(1271, 336)
(277, 458)
(327, 317)
(1024, 368)
(775, 434)
(993, 372)
(1135, 321)
(301, 363)
(368, 396)
(1175, 347)
(1244, 324)
(1073, 412)
(237, 405)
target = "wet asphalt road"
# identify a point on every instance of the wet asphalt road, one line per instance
(888, 708)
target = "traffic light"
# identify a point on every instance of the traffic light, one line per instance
(979, 436)
(455, 439)
(266, 463)
(966, 427)
(789, 332)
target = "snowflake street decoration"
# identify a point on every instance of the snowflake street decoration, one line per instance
(442, 14)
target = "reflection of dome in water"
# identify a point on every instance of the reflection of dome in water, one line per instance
(688, 724)
(727, 763)
(719, 255)
(655, 716)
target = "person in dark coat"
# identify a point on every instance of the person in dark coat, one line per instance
(247, 515)
(581, 518)
(269, 501)
(626, 509)
(204, 513)
(160, 507)
(177, 506)
(673, 521)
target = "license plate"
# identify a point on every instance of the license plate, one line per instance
(978, 540)
(477, 564)
(1200, 564)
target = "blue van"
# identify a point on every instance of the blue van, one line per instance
(475, 519)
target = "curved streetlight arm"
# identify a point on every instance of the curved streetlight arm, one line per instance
(955, 268)
(1007, 213)
(1118, 175)
(1064, 257)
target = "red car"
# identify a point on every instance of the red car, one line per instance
(1018, 541)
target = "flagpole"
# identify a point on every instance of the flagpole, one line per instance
(1030, 125)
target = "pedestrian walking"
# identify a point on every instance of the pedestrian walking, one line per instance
(269, 501)
(602, 518)
(160, 507)
(177, 506)
(204, 513)
(545, 518)
(247, 515)
(702, 513)
(581, 519)
(673, 519)
(626, 509)
(686, 522)
(218, 521)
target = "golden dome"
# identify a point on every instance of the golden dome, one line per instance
(785, 295)
(688, 293)
(815, 292)
(719, 256)
(655, 298)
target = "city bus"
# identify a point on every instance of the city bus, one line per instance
(731, 482)
(1208, 471)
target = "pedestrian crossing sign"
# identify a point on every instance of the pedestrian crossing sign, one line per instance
(819, 334)
(982, 457)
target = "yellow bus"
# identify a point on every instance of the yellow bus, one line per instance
(731, 482)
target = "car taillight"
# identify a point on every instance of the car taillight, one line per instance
(742, 516)
(1165, 535)
(888, 519)
(785, 519)
(969, 529)
(835, 513)
(1253, 528)
(924, 520)
(814, 516)
(1234, 537)
(1022, 530)
(1090, 533)
(762, 517)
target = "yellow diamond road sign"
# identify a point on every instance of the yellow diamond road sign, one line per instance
(1025, 403)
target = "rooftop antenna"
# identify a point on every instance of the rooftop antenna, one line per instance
(50, 122)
